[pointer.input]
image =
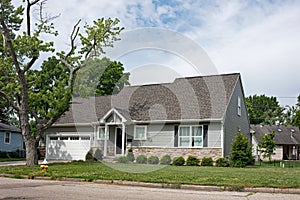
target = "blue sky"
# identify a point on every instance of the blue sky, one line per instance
(260, 39)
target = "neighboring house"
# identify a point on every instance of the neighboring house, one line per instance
(287, 140)
(10, 138)
(191, 116)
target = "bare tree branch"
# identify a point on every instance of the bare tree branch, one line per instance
(73, 38)
(12, 51)
(29, 4)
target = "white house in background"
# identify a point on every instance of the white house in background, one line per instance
(287, 140)
(191, 116)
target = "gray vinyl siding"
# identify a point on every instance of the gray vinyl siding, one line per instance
(16, 142)
(232, 121)
(158, 135)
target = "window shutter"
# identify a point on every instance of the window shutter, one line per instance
(176, 136)
(205, 136)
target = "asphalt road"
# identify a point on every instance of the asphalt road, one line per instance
(42, 189)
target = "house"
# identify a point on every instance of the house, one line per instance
(287, 140)
(10, 138)
(191, 116)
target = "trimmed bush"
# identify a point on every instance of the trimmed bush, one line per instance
(192, 161)
(98, 155)
(122, 159)
(153, 160)
(89, 156)
(130, 156)
(222, 162)
(178, 161)
(165, 160)
(207, 161)
(141, 159)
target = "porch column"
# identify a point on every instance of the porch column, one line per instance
(123, 139)
(105, 141)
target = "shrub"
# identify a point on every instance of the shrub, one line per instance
(207, 161)
(122, 159)
(130, 156)
(89, 156)
(222, 162)
(153, 160)
(141, 159)
(98, 155)
(241, 153)
(178, 161)
(192, 161)
(165, 160)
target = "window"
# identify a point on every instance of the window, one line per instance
(7, 138)
(64, 138)
(190, 136)
(101, 133)
(140, 132)
(239, 107)
(74, 138)
(53, 138)
(85, 137)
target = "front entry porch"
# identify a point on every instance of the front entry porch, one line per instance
(115, 140)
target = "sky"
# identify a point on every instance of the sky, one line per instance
(165, 39)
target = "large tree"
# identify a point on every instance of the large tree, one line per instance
(40, 97)
(264, 110)
(100, 77)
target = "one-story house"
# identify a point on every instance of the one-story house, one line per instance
(191, 116)
(287, 140)
(10, 138)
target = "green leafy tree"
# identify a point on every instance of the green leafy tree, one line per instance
(264, 110)
(296, 118)
(100, 77)
(241, 152)
(40, 97)
(267, 146)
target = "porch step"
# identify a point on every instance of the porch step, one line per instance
(109, 159)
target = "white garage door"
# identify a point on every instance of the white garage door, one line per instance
(68, 147)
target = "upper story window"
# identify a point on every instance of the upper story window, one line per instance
(239, 106)
(7, 138)
(140, 132)
(101, 133)
(191, 136)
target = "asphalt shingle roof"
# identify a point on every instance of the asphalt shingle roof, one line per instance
(201, 97)
(284, 134)
(6, 127)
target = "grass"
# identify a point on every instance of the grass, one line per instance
(11, 159)
(256, 176)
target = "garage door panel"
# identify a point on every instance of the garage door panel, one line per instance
(67, 149)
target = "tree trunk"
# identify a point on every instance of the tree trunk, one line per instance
(31, 151)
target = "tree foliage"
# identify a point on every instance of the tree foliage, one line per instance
(264, 110)
(40, 97)
(241, 152)
(100, 77)
(267, 146)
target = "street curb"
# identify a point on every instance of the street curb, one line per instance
(167, 186)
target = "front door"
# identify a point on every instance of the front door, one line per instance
(119, 141)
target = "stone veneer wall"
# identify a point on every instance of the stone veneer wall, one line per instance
(215, 153)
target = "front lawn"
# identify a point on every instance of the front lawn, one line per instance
(256, 176)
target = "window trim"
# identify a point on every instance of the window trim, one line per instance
(98, 133)
(239, 106)
(190, 136)
(5, 137)
(145, 132)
